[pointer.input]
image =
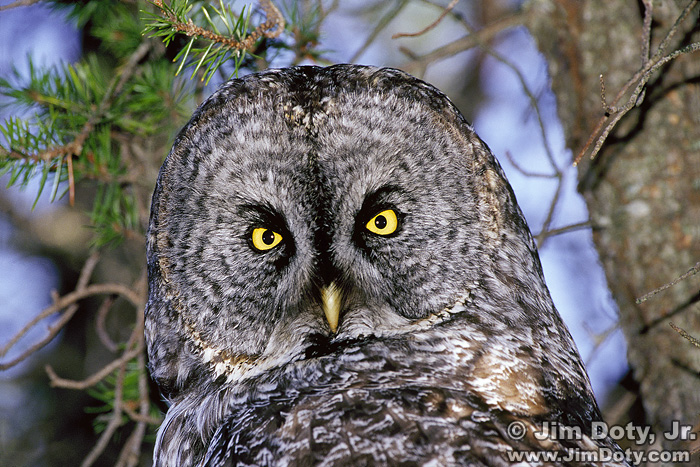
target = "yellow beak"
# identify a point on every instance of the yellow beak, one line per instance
(331, 301)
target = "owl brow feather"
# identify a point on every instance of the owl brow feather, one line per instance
(263, 215)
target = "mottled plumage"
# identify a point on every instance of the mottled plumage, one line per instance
(290, 183)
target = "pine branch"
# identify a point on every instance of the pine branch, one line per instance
(74, 132)
(225, 36)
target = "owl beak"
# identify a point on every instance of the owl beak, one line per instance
(331, 300)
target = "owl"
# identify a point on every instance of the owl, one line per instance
(339, 274)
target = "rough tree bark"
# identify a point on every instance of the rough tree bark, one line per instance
(643, 188)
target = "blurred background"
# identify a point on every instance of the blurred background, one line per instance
(42, 249)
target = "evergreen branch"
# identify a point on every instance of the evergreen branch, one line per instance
(72, 133)
(53, 159)
(307, 19)
(271, 28)
(67, 100)
(176, 18)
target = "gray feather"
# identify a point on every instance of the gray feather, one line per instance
(447, 331)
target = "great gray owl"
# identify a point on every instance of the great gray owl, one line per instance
(339, 274)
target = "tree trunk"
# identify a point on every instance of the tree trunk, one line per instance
(643, 188)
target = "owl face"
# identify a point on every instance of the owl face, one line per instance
(321, 205)
(318, 230)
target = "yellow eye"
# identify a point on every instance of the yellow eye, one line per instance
(384, 223)
(265, 239)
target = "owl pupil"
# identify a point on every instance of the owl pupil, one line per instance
(380, 222)
(268, 237)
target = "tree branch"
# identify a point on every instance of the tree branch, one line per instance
(685, 334)
(429, 27)
(691, 272)
(271, 28)
(60, 304)
(614, 112)
(114, 421)
(473, 39)
(57, 381)
(381, 24)
(18, 3)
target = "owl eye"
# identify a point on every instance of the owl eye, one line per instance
(265, 239)
(384, 223)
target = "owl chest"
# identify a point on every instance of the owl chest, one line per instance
(375, 404)
(378, 425)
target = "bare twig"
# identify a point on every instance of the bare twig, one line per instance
(57, 381)
(129, 455)
(534, 104)
(676, 25)
(114, 422)
(18, 3)
(481, 38)
(381, 24)
(544, 234)
(524, 171)
(691, 272)
(646, 30)
(136, 343)
(131, 451)
(138, 417)
(60, 304)
(83, 279)
(135, 347)
(552, 209)
(429, 27)
(102, 313)
(473, 39)
(53, 330)
(683, 333)
(599, 338)
(615, 111)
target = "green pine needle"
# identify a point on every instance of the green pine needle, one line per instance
(202, 21)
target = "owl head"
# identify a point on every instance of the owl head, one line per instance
(304, 208)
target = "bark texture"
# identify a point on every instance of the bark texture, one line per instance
(643, 189)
